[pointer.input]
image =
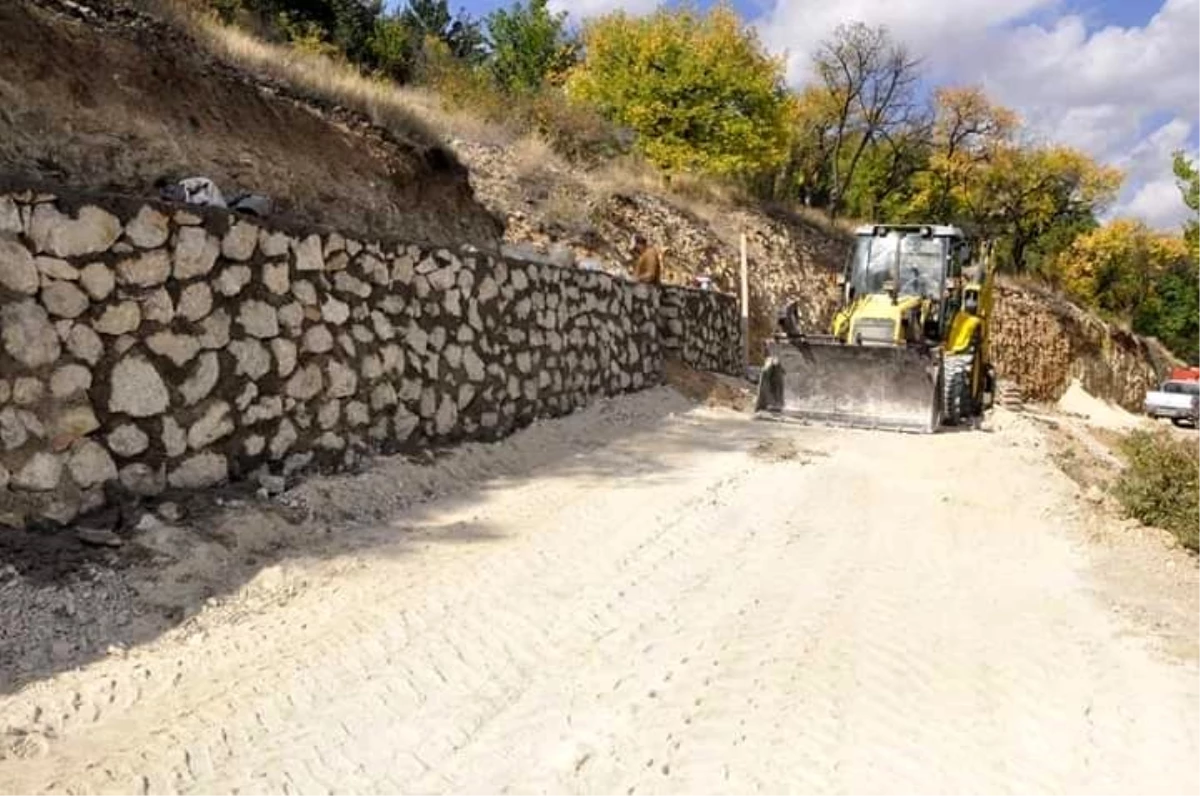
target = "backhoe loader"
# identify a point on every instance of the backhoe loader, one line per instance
(908, 347)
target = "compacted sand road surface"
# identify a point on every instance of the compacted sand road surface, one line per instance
(636, 601)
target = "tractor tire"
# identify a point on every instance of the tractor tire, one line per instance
(957, 404)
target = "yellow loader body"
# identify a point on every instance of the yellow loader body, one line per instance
(902, 353)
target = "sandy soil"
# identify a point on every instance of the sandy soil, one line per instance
(653, 597)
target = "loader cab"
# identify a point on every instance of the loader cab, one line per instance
(916, 267)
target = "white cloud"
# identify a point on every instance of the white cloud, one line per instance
(582, 9)
(1100, 90)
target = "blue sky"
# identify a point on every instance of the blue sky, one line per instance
(1119, 79)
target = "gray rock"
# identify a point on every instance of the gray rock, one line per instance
(330, 441)
(291, 317)
(375, 270)
(143, 480)
(334, 311)
(347, 344)
(305, 383)
(17, 270)
(259, 319)
(272, 484)
(269, 408)
(157, 306)
(144, 270)
(27, 333)
(10, 216)
(93, 230)
(204, 377)
(344, 282)
(318, 340)
(27, 390)
(173, 439)
(195, 253)
(329, 414)
(297, 461)
(285, 356)
(232, 279)
(357, 414)
(334, 242)
(41, 473)
(246, 396)
(362, 334)
(70, 380)
(239, 242)
(127, 440)
(473, 365)
(5, 391)
(13, 433)
(252, 357)
(98, 280)
(442, 279)
(446, 417)
(276, 277)
(405, 423)
(137, 389)
(195, 301)
(383, 327)
(466, 394)
(383, 396)
(118, 319)
(393, 358)
(343, 382)
(304, 292)
(90, 464)
(371, 367)
(453, 355)
(273, 244)
(254, 445)
(308, 254)
(215, 330)
(213, 425)
(64, 299)
(149, 229)
(199, 471)
(178, 348)
(283, 440)
(73, 422)
(451, 304)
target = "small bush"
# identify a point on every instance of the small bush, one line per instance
(1161, 485)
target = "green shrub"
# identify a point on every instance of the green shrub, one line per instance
(1161, 485)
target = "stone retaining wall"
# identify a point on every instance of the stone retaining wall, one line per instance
(146, 348)
(702, 329)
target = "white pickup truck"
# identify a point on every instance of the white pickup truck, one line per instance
(1177, 400)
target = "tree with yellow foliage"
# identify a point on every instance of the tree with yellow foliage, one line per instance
(1114, 268)
(698, 89)
(968, 131)
(1025, 194)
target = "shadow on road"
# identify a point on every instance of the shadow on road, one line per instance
(64, 604)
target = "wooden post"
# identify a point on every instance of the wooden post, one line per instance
(745, 305)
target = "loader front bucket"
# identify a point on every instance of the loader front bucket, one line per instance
(826, 381)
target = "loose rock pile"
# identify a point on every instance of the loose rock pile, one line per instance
(154, 348)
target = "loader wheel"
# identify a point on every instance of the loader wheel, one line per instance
(956, 387)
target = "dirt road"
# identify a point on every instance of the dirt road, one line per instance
(634, 601)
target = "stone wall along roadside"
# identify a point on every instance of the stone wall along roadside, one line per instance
(146, 348)
(701, 329)
(1042, 341)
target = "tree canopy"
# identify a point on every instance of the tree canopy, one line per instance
(698, 88)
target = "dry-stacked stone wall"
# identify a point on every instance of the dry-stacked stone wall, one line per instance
(702, 329)
(147, 348)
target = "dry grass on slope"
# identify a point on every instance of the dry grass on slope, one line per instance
(411, 114)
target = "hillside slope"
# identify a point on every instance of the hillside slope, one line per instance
(97, 95)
